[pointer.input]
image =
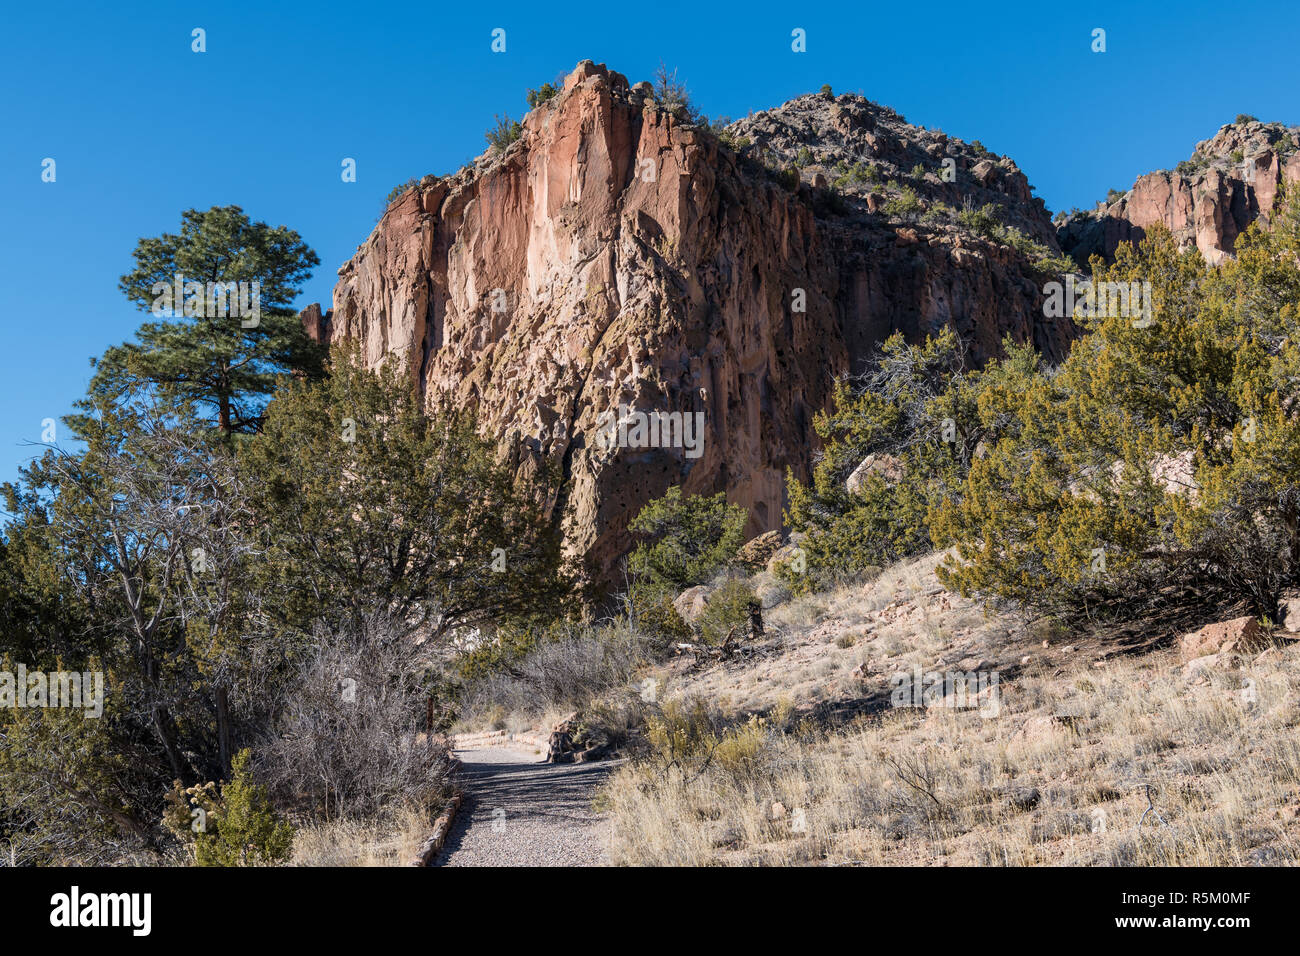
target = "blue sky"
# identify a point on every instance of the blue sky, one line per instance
(142, 128)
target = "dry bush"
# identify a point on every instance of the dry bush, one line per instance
(561, 673)
(389, 840)
(352, 738)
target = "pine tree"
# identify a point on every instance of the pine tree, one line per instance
(221, 292)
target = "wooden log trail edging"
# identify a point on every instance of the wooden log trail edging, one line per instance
(436, 839)
(441, 827)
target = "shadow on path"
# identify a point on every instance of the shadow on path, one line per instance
(519, 811)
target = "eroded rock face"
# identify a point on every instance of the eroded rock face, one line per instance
(616, 261)
(1231, 180)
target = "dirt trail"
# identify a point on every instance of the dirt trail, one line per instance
(520, 812)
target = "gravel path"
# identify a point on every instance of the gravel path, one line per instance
(519, 812)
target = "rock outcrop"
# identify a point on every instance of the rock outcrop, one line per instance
(617, 277)
(1230, 181)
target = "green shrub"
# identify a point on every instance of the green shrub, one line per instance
(505, 132)
(905, 205)
(727, 612)
(826, 89)
(233, 825)
(653, 613)
(1244, 118)
(982, 221)
(689, 540)
(804, 157)
(855, 175)
(537, 97)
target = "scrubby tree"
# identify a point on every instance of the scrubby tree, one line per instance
(366, 502)
(672, 96)
(1162, 461)
(914, 414)
(539, 96)
(688, 539)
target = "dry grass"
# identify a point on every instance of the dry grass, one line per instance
(1058, 777)
(390, 842)
(949, 787)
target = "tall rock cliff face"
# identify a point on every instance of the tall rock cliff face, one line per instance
(1231, 180)
(618, 257)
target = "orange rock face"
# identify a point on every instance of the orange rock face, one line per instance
(615, 261)
(1231, 181)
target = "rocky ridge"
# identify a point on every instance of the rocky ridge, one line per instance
(1231, 180)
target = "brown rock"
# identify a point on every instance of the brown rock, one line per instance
(1198, 667)
(887, 467)
(1240, 634)
(598, 752)
(756, 552)
(1289, 611)
(984, 172)
(690, 603)
(1038, 727)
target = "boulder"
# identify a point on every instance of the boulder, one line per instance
(984, 172)
(690, 603)
(1289, 611)
(888, 467)
(786, 552)
(1198, 667)
(1241, 634)
(756, 552)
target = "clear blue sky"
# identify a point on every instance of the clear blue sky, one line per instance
(142, 128)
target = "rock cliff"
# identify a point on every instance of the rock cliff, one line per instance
(1231, 180)
(622, 258)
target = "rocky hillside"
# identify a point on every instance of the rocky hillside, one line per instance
(1231, 180)
(618, 254)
